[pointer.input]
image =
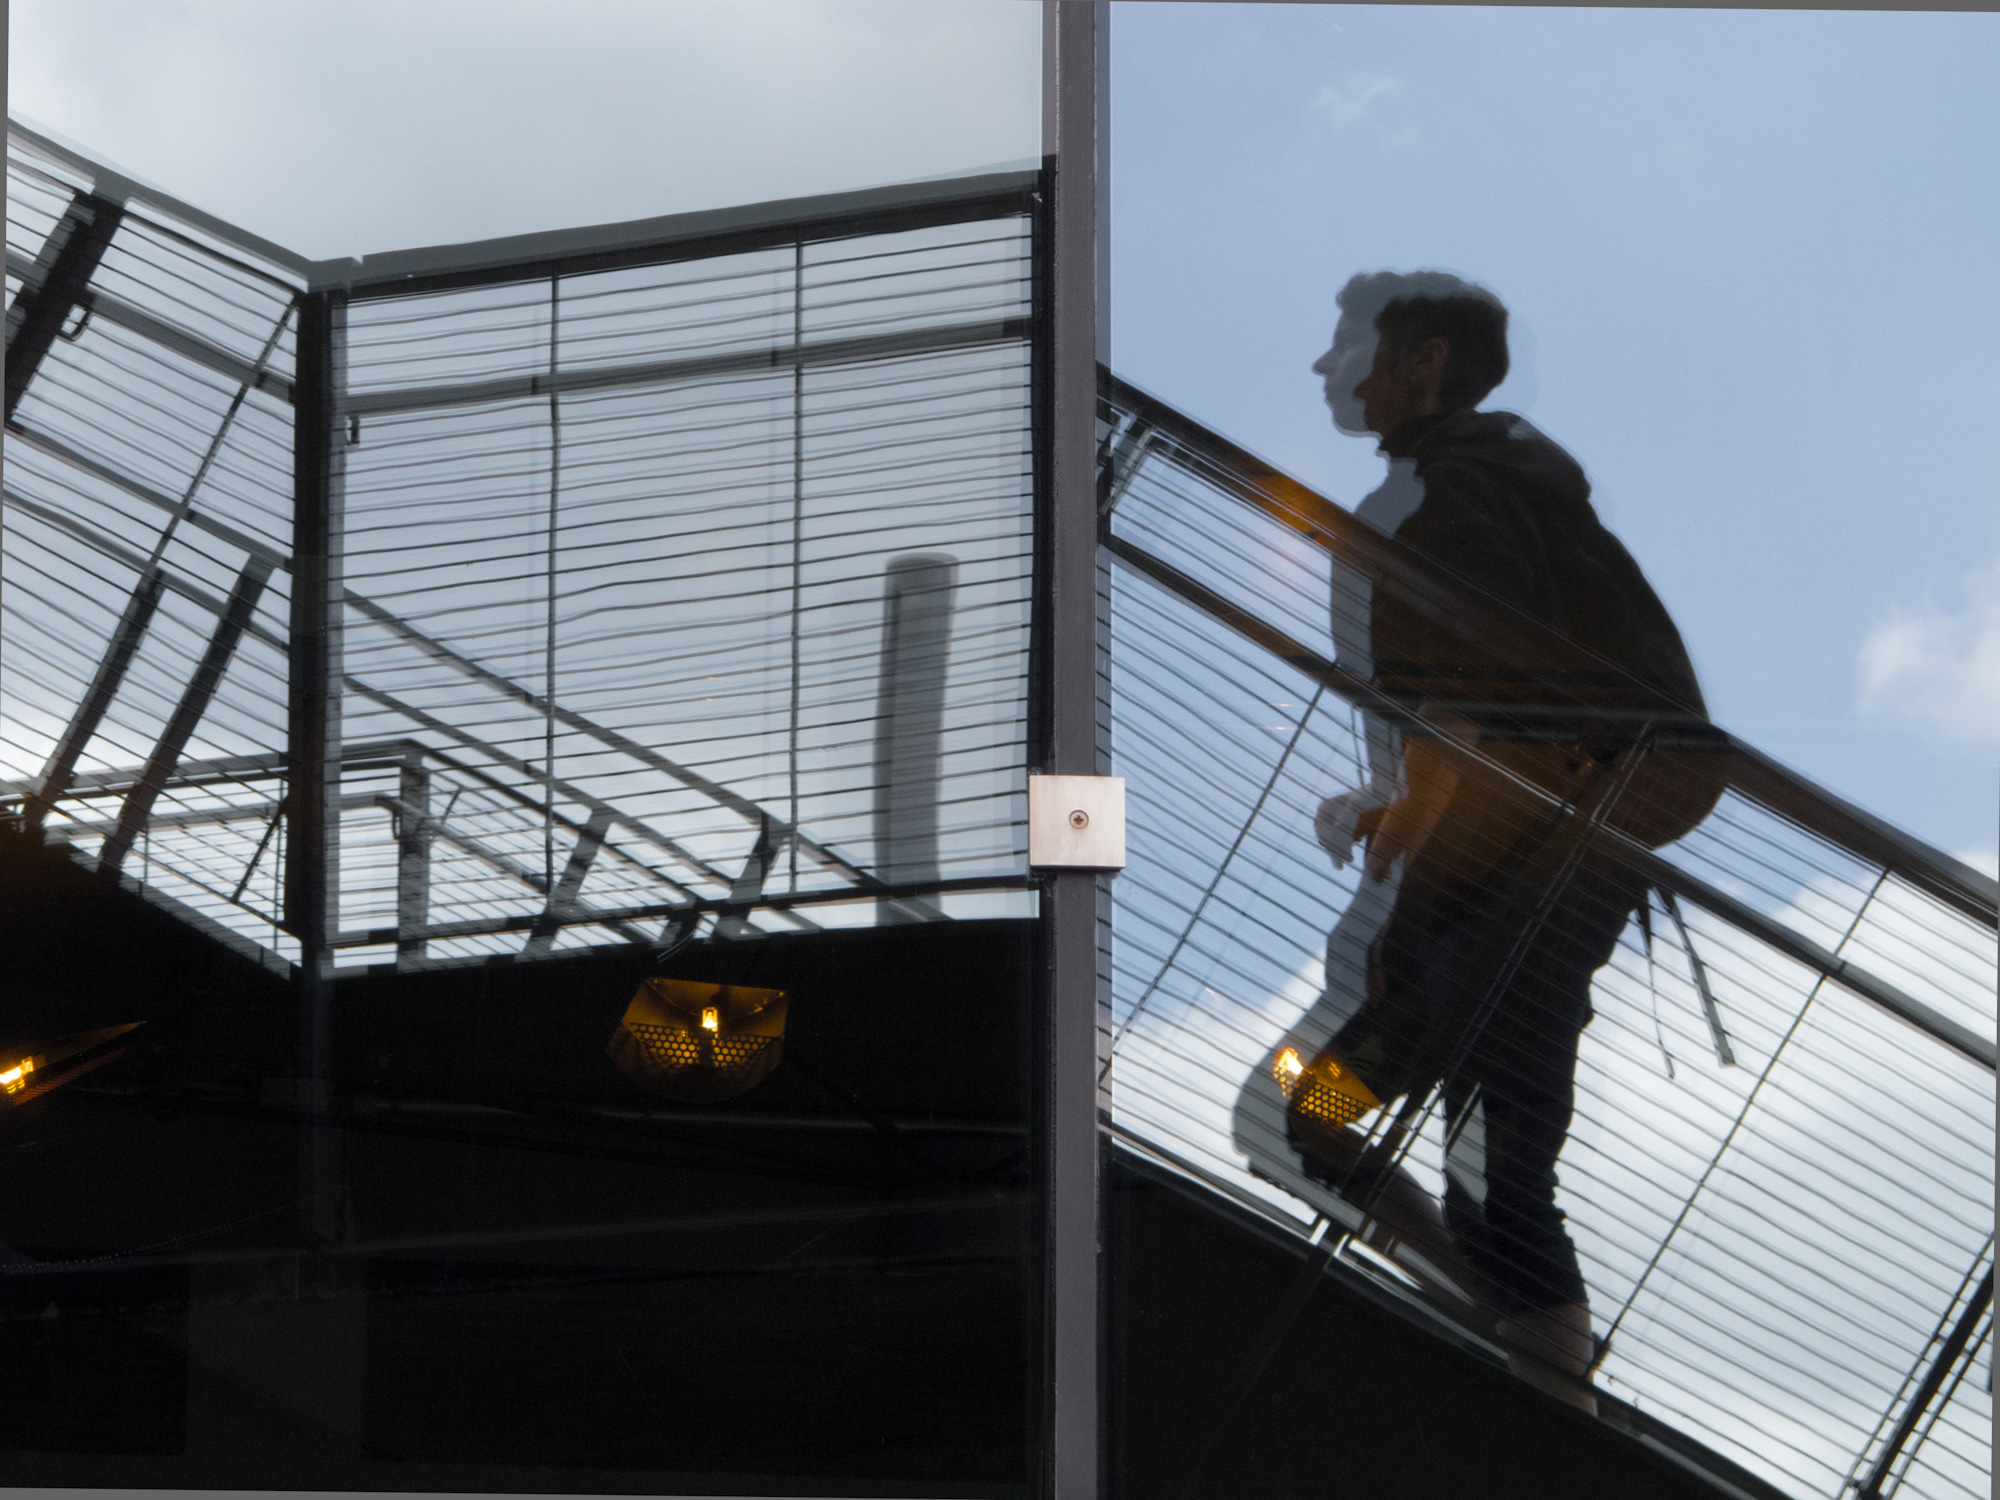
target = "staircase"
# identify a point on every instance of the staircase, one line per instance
(400, 655)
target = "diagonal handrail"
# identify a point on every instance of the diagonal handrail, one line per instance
(1660, 872)
(1663, 873)
(1753, 774)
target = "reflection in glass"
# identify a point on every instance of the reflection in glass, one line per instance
(1678, 1201)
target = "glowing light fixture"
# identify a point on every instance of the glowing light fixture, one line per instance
(31, 1071)
(1325, 1089)
(699, 1043)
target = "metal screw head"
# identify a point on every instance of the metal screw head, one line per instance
(1079, 819)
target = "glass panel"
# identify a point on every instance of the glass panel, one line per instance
(1477, 1003)
(660, 1113)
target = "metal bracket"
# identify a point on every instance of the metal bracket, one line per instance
(1076, 822)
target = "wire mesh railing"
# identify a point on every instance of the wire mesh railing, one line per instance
(1778, 1175)
(681, 585)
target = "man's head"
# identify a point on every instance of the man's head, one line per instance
(1419, 342)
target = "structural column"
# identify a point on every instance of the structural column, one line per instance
(312, 849)
(1073, 50)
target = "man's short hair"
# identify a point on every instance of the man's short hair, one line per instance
(1407, 308)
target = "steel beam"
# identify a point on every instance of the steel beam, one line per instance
(187, 714)
(220, 530)
(748, 888)
(563, 900)
(785, 356)
(69, 258)
(122, 314)
(776, 902)
(679, 237)
(568, 790)
(1952, 1349)
(113, 184)
(715, 791)
(104, 685)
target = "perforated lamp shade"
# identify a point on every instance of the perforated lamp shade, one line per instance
(699, 1043)
(1324, 1089)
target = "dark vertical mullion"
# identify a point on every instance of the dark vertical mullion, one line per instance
(312, 843)
(1068, 595)
(549, 622)
(798, 530)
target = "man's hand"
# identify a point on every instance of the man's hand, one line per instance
(1334, 823)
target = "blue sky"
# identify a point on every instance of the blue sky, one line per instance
(1750, 256)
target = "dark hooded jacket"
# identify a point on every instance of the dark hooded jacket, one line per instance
(1542, 607)
(1507, 601)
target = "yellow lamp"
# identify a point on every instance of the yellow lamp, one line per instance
(699, 1043)
(1324, 1089)
(29, 1072)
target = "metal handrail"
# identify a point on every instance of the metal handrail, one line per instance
(1753, 774)
(1658, 872)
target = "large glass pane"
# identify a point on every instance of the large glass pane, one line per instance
(1561, 902)
(514, 672)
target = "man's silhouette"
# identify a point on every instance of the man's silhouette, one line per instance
(1548, 655)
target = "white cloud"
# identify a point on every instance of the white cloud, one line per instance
(1343, 106)
(1940, 667)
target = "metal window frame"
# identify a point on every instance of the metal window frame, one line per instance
(1069, 729)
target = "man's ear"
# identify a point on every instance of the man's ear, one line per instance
(1426, 366)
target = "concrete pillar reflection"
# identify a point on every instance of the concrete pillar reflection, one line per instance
(909, 725)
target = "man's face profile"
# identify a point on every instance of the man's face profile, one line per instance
(1344, 367)
(1400, 387)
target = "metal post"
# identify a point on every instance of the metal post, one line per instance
(312, 848)
(414, 836)
(1073, 59)
(909, 723)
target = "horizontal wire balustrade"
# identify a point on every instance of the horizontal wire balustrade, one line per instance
(1779, 1177)
(625, 529)
(624, 538)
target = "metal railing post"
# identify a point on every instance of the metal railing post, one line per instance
(312, 847)
(1072, 742)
